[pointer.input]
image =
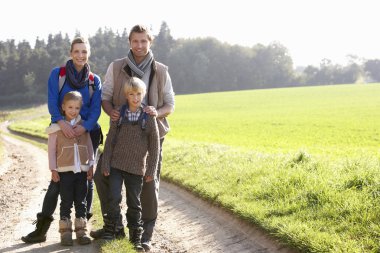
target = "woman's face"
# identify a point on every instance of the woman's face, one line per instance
(79, 54)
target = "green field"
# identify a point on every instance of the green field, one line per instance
(302, 163)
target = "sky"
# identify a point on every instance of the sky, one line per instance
(311, 30)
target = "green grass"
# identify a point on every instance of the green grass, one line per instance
(302, 163)
(329, 120)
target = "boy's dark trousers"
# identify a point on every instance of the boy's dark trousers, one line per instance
(73, 189)
(133, 186)
(149, 198)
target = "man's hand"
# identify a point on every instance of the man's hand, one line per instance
(151, 110)
(79, 130)
(55, 176)
(115, 115)
(148, 179)
(106, 173)
(66, 128)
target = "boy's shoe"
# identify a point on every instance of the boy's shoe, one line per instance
(147, 246)
(120, 233)
(89, 215)
(97, 234)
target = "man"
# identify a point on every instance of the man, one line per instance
(158, 101)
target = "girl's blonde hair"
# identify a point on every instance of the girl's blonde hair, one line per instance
(135, 84)
(72, 95)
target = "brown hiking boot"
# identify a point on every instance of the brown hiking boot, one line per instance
(65, 228)
(81, 231)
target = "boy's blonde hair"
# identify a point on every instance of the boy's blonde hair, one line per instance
(135, 84)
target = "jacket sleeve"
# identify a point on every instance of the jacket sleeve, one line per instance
(95, 106)
(90, 150)
(54, 104)
(108, 148)
(52, 151)
(107, 90)
(153, 148)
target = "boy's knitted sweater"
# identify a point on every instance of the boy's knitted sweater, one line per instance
(128, 145)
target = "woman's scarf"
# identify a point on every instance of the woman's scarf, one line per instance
(140, 69)
(77, 80)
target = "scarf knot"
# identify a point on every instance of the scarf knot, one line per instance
(77, 80)
(140, 69)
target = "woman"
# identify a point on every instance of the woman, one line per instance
(74, 76)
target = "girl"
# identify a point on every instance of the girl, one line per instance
(71, 163)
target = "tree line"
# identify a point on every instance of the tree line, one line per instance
(195, 65)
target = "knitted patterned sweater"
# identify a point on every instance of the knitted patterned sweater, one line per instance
(128, 145)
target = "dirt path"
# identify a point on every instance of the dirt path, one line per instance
(185, 223)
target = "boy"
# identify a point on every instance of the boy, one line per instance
(131, 155)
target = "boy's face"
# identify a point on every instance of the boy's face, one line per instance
(134, 98)
(71, 109)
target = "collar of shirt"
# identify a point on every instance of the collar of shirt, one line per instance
(133, 116)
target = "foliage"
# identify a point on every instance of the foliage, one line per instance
(196, 65)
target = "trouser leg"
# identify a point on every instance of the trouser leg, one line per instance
(149, 202)
(96, 139)
(102, 188)
(51, 199)
(67, 194)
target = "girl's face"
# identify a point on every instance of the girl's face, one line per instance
(79, 54)
(71, 109)
(134, 99)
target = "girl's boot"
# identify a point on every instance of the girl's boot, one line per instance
(65, 228)
(81, 231)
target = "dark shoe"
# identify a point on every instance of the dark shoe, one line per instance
(120, 233)
(147, 246)
(97, 234)
(135, 239)
(84, 240)
(88, 216)
(109, 230)
(39, 234)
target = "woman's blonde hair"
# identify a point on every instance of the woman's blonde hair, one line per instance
(135, 84)
(79, 40)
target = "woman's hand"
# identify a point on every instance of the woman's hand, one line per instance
(66, 128)
(79, 130)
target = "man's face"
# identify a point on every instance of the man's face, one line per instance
(140, 45)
